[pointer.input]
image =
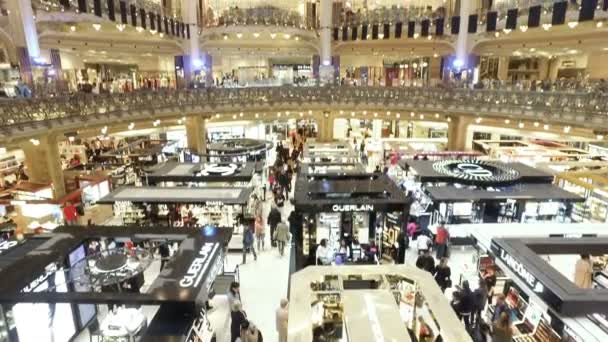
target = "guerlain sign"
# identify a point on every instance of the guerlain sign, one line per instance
(199, 265)
(352, 207)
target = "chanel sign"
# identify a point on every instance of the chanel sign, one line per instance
(476, 171)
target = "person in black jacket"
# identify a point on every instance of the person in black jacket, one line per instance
(442, 274)
(284, 183)
(238, 317)
(466, 305)
(274, 217)
(404, 243)
(426, 262)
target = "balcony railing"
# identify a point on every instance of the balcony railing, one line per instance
(582, 108)
(256, 16)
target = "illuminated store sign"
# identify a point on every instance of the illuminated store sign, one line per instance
(199, 265)
(476, 171)
(517, 267)
(219, 170)
(352, 207)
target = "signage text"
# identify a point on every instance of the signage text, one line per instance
(199, 265)
(352, 207)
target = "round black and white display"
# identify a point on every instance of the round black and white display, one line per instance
(219, 170)
(477, 171)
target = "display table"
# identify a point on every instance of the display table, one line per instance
(123, 323)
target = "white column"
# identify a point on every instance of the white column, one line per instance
(192, 46)
(23, 26)
(326, 71)
(463, 43)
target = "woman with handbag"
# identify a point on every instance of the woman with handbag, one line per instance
(442, 274)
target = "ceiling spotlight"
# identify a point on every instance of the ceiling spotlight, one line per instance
(256, 35)
(73, 28)
(478, 120)
(239, 35)
(545, 127)
(286, 36)
(506, 31)
(599, 24)
(567, 129)
(507, 121)
(496, 34)
(572, 24)
(139, 29)
(547, 27)
(234, 116)
(131, 126)
(412, 114)
(448, 119)
(523, 28)
(521, 125)
(297, 38)
(97, 27)
(375, 115)
(121, 27)
(388, 112)
(536, 124)
(35, 142)
(301, 114)
(435, 55)
(104, 130)
(398, 115)
(421, 116)
(71, 138)
(161, 34)
(599, 137)
(436, 115)
(225, 37)
(273, 35)
(179, 122)
(217, 115)
(416, 35)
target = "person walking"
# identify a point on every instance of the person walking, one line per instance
(250, 333)
(583, 272)
(284, 183)
(441, 241)
(423, 243)
(282, 236)
(465, 307)
(404, 243)
(282, 315)
(274, 217)
(238, 317)
(70, 214)
(234, 294)
(443, 274)
(426, 262)
(481, 298)
(248, 243)
(503, 331)
(260, 232)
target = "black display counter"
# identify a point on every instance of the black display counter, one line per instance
(474, 191)
(331, 168)
(206, 195)
(233, 150)
(60, 272)
(368, 208)
(574, 313)
(202, 173)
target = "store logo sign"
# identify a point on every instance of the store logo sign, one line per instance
(6, 245)
(478, 171)
(521, 271)
(219, 170)
(199, 266)
(352, 207)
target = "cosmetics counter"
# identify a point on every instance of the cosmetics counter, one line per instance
(329, 153)
(363, 208)
(530, 152)
(182, 207)
(545, 304)
(235, 151)
(476, 191)
(591, 184)
(142, 152)
(118, 174)
(70, 277)
(327, 302)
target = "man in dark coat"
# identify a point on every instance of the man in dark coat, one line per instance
(274, 217)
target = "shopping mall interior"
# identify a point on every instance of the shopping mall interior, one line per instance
(303, 170)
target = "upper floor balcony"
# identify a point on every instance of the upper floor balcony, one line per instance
(25, 118)
(265, 15)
